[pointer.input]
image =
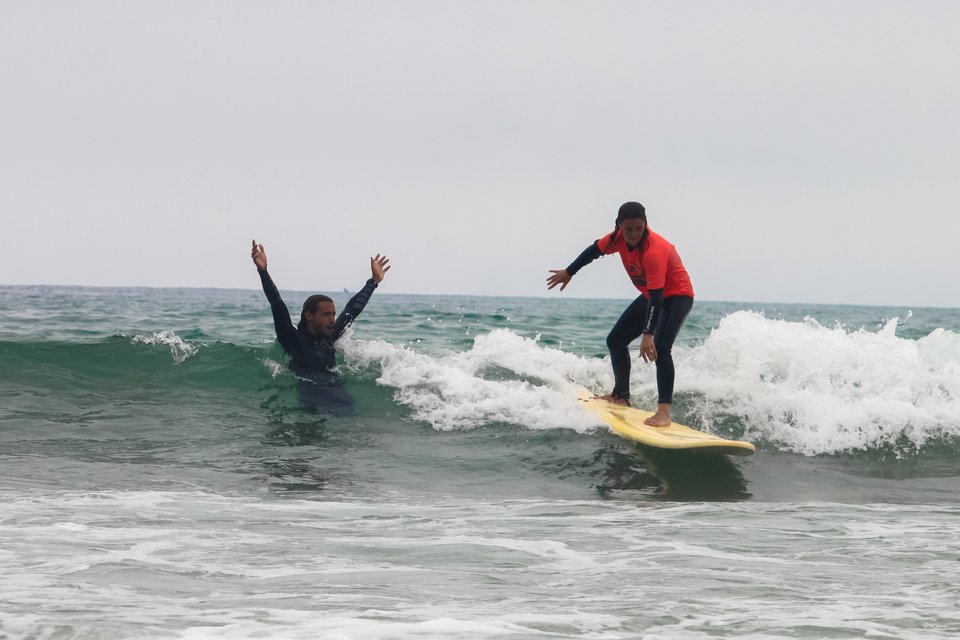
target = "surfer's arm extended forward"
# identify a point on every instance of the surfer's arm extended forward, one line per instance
(563, 276)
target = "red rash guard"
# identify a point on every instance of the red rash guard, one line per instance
(655, 264)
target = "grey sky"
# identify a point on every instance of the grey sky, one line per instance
(801, 151)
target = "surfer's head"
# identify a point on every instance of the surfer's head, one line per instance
(318, 315)
(632, 222)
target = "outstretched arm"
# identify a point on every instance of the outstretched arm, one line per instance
(563, 276)
(378, 269)
(286, 334)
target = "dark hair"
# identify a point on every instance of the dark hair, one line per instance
(311, 304)
(630, 211)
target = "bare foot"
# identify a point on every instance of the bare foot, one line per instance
(623, 402)
(657, 420)
(661, 418)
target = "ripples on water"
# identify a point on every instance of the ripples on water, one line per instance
(162, 478)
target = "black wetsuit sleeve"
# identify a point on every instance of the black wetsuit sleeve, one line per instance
(353, 309)
(655, 304)
(286, 333)
(589, 254)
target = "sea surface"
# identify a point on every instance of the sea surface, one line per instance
(162, 477)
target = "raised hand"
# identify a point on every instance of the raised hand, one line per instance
(259, 256)
(379, 267)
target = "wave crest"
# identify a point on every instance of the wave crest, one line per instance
(180, 349)
(815, 389)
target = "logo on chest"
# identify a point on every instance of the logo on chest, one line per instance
(637, 275)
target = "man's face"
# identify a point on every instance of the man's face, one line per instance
(322, 320)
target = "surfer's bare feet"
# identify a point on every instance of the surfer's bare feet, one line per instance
(615, 399)
(661, 418)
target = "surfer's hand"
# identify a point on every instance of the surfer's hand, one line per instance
(647, 351)
(259, 256)
(559, 277)
(379, 267)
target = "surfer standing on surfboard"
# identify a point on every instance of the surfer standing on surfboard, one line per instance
(310, 344)
(665, 300)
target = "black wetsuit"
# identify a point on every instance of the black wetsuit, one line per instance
(631, 325)
(313, 357)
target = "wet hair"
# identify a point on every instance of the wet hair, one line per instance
(310, 305)
(630, 211)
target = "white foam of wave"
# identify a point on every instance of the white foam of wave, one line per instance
(275, 368)
(802, 386)
(816, 389)
(202, 565)
(503, 378)
(180, 349)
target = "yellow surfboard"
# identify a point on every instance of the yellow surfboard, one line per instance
(628, 422)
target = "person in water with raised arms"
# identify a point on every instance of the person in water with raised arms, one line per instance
(666, 297)
(310, 344)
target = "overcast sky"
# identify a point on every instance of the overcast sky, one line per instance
(793, 151)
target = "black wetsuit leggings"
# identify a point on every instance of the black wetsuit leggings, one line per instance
(630, 326)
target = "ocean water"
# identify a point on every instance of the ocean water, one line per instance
(162, 478)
